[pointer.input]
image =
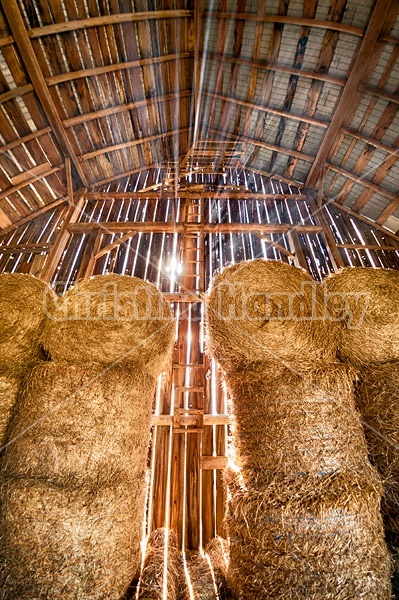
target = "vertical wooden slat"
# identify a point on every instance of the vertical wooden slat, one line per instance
(63, 236)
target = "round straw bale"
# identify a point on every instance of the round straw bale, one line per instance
(24, 302)
(377, 397)
(366, 304)
(332, 548)
(70, 543)
(111, 318)
(288, 424)
(207, 573)
(217, 549)
(161, 573)
(9, 386)
(201, 584)
(263, 310)
(82, 423)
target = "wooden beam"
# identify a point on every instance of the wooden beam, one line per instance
(369, 247)
(114, 110)
(387, 212)
(268, 109)
(33, 215)
(24, 248)
(213, 462)
(278, 247)
(380, 93)
(318, 213)
(272, 147)
(24, 139)
(115, 244)
(237, 194)
(264, 65)
(143, 62)
(68, 171)
(31, 64)
(89, 257)
(327, 52)
(365, 182)
(12, 190)
(113, 19)
(130, 144)
(198, 7)
(347, 103)
(16, 93)
(187, 420)
(284, 20)
(370, 141)
(373, 224)
(36, 172)
(6, 41)
(159, 227)
(63, 236)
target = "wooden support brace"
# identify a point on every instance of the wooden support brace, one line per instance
(115, 244)
(213, 462)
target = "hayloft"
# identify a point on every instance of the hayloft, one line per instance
(159, 144)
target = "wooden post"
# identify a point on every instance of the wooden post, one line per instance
(320, 218)
(63, 236)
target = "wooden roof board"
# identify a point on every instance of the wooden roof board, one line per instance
(104, 45)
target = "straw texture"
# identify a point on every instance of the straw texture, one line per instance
(329, 548)
(81, 423)
(264, 310)
(111, 318)
(378, 401)
(24, 302)
(366, 304)
(9, 386)
(70, 542)
(160, 577)
(207, 573)
(286, 423)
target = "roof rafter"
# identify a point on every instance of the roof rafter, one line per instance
(270, 66)
(113, 110)
(130, 144)
(32, 66)
(101, 21)
(274, 111)
(347, 104)
(284, 20)
(142, 62)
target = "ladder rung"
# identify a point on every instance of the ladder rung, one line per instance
(185, 365)
(189, 388)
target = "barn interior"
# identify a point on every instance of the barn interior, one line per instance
(169, 140)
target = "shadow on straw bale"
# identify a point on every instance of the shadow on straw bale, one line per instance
(69, 542)
(81, 423)
(9, 386)
(325, 549)
(207, 573)
(288, 423)
(377, 397)
(366, 303)
(262, 310)
(24, 302)
(218, 551)
(157, 580)
(111, 318)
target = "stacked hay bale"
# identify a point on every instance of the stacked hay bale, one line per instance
(366, 303)
(24, 301)
(303, 516)
(74, 475)
(207, 573)
(161, 574)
